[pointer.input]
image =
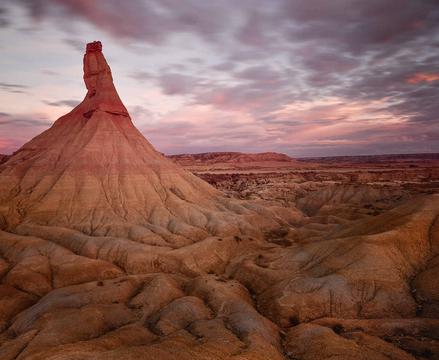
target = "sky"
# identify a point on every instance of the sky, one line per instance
(306, 78)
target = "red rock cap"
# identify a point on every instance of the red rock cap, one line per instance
(94, 46)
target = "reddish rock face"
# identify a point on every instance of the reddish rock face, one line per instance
(98, 80)
(94, 46)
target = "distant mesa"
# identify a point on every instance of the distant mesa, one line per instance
(233, 157)
(235, 160)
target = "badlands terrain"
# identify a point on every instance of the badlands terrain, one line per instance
(110, 250)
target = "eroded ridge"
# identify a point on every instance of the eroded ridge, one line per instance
(307, 297)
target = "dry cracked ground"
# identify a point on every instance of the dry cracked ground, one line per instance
(353, 276)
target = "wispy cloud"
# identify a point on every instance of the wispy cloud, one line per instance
(13, 88)
(67, 102)
(16, 129)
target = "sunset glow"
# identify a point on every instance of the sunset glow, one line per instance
(423, 77)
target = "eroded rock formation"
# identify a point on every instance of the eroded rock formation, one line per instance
(95, 172)
(108, 250)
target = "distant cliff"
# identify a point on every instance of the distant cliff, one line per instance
(231, 158)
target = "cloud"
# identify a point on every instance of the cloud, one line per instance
(357, 26)
(50, 72)
(141, 76)
(4, 21)
(298, 76)
(76, 44)
(25, 120)
(68, 102)
(153, 21)
(13, 88)
(174, 83)
(16, 129)
(224, 66)
(423, 77)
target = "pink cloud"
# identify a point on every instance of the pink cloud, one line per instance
(422, 77)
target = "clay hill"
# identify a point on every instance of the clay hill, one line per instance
(229, 157)
(94, 172)
(109, 250)
(236, 160)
